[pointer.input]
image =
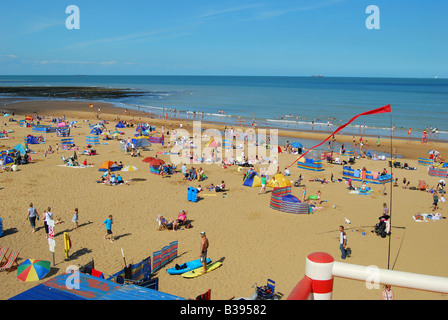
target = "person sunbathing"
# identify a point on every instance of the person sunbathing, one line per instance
(165, 223)
(181, 219)
(363, 187)
(221, 187)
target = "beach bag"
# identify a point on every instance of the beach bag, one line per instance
(188, 226)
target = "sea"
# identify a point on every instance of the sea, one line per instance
(311, 103)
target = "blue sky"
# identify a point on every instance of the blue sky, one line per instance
(226, 37)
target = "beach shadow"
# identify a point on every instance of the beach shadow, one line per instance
(53, 271)
(75, 255)
(138, 179)
(221, 259)
(121, 236)
(10, 231)
(84, 224)
(73, 229)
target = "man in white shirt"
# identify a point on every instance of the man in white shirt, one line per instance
(343, 242)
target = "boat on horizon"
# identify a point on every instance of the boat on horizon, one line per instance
(318, 76)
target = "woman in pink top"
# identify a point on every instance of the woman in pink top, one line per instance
(181, 218)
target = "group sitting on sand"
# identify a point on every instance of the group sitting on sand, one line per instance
(193, 173)
(110, 179)
(218, 188)
(172, 224)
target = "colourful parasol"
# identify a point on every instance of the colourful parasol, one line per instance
(33, 270)
(153, 161)
(129, 168)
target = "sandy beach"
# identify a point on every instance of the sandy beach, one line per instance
(254, 241)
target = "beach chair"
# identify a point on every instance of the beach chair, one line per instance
(3, 251)
(12, 260)
(267, 291)
(164, 226)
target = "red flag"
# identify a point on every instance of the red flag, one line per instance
(409, 131)
(384, 109)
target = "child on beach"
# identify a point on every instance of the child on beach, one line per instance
(75, 218)
(263, 184)
(108, 222)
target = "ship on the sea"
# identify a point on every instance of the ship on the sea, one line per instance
(318, 76)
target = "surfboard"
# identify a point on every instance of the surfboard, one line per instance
(186, 267)
(198, 272)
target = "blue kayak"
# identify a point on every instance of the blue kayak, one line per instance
(188, 266)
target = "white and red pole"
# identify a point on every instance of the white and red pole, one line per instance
(318, 281)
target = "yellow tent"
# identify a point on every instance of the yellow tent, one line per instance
(253, 180)
(280, 181)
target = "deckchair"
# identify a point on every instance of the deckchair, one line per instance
(12, 260)
(3, 251)
(164, 226)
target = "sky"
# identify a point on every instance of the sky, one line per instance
(225, 37)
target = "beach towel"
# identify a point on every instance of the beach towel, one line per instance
(77, 167)
(425, 217)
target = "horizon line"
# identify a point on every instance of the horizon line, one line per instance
(217, 75)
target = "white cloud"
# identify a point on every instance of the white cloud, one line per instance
(7, 56)
(48, 62)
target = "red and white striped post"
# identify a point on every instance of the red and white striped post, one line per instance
(319, 268)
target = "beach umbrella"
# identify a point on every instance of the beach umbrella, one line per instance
(109, 165)
(33, 270)
(129, 168)
(297, 145)
(433, 152)
(153, 161)
(148, 159)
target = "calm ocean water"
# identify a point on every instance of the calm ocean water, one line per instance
(281, 102)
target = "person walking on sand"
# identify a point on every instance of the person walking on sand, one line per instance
(32, 215)
(48, 215)
(108, 222)
(204, 247)
(263, 184)
(343, 243)
(75, 218)
(436, 199)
